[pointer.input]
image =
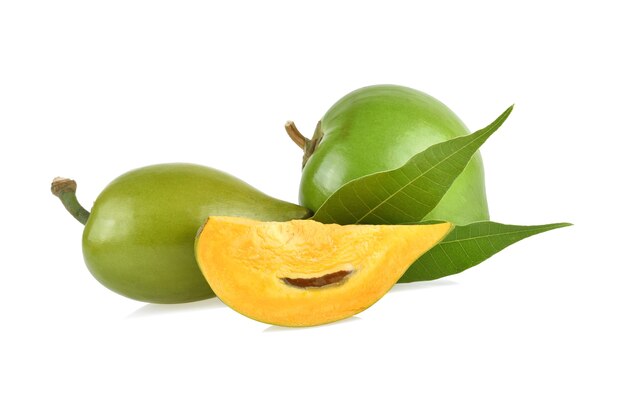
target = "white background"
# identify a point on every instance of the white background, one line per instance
(92, 89)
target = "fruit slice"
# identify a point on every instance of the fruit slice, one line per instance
(305, 273)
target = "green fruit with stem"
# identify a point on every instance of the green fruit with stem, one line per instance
(139, 237)
(378, 128)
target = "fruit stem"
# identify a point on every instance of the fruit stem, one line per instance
(312, 144)
(65, 189)
(295, 135)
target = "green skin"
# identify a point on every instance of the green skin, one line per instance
(379, 128)
(139, 237)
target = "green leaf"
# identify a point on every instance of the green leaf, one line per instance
(469, 245)
(389, 196)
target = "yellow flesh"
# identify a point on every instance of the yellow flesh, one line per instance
(244, 260)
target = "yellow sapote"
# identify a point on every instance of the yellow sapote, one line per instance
(305, 273)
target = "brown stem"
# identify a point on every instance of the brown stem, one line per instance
(312, 144)
(65, 190)
(295, 134)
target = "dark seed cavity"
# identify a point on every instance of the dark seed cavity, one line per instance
(334, 278)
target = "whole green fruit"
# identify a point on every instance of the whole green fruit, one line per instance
(378, 128)
(139, 237)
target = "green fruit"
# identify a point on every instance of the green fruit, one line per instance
(379, 128)
(139, 237)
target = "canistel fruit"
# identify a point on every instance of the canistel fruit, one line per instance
(305, 273)
(379, 128)
(139, 237)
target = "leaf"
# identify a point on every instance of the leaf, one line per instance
(469, 245)
(389, 197)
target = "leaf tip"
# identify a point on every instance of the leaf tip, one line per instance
(553, 226)
(508, 111)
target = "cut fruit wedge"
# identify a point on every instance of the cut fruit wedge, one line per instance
(305, 273)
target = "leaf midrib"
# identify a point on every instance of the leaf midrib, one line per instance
(480, 136)
(522, 231)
